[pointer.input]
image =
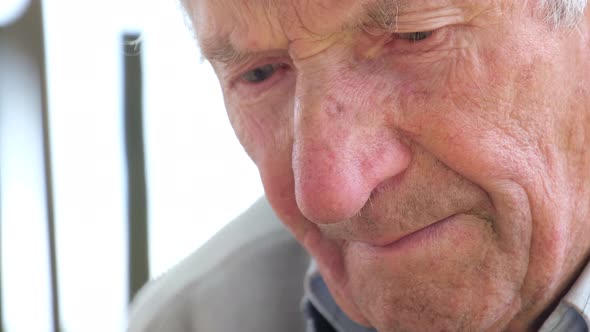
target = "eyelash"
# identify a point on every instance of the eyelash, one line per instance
(408, 46)
(254, 89)
(417, 36)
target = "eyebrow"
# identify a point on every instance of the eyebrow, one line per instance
(221, 50)
(377, 16)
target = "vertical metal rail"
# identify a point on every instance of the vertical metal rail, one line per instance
(136, 182)
(3, 43)
(27, 35)
(50, 207)
(2, 329)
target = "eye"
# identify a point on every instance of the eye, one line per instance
(261, 74)
(415, 36)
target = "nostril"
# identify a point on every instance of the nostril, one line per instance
(386, 185)
(327, 199)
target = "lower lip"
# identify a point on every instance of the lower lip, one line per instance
(418, 239)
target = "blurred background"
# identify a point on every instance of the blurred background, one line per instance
(116, 158)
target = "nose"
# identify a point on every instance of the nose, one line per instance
(343, 150)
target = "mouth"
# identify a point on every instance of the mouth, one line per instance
(409, 241)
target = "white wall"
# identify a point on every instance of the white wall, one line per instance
(199, 178)
(199, 175)
(25, 263)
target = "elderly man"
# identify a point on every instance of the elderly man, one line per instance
(430, 155)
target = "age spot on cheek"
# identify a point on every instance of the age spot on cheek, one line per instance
(332, 107)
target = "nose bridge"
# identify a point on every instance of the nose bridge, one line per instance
(326, 113)
(322, 160)
(342, 147)
(324, 94)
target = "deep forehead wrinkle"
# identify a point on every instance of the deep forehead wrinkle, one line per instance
(375, 15)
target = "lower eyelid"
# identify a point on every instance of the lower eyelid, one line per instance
(253, 91)
(238, 76)
(275, 68)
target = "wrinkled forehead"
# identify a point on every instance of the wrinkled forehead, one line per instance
(244, 20)
(313, 14)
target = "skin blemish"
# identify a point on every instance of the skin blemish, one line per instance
(332, 107)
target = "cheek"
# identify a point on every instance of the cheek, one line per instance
(265, 131)
(475, 105)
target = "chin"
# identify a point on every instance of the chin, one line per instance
(457, 279)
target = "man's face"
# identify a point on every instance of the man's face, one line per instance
(429, 154)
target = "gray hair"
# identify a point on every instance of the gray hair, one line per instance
(565, 13)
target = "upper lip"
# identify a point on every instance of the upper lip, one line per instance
(393, 238)
(383, 242)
